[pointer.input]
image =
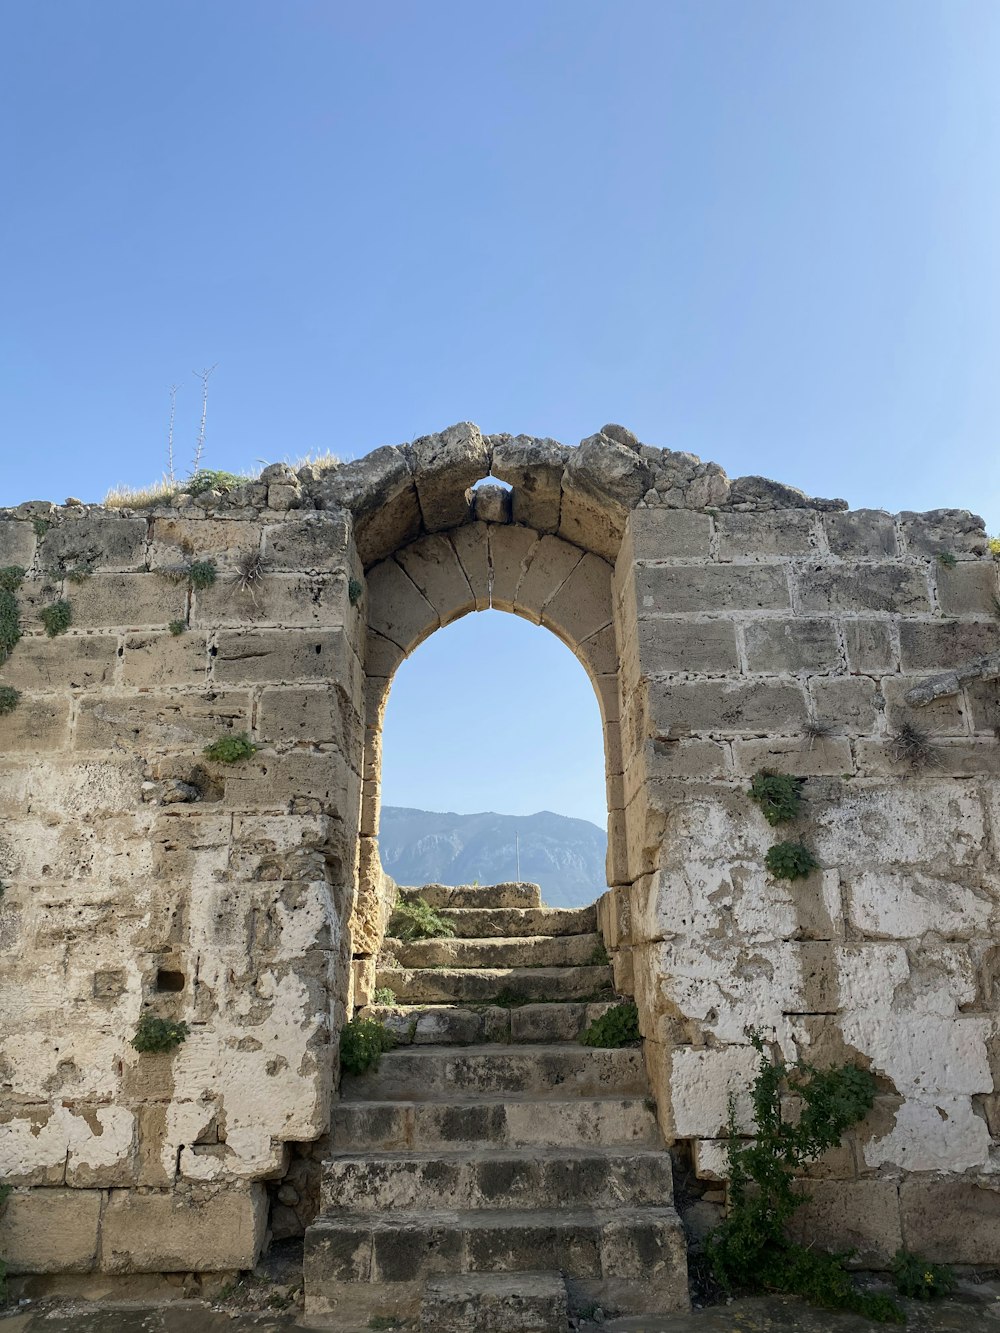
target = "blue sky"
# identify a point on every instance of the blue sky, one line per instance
(764, 232)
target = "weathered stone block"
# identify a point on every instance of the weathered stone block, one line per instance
(665, 534)
(37, 723)
(204, 1231)
(444, 467)
(861, 534)
(675, 710)
(870, 646)
(945, 715)
(551, 563)
(380, 493)
(944, 530)
(471, 545)
(397, 609)
(900, 589)
(154, 658)
(859, 1215)
(799, 644)
(323, 541)
(307, 716)
(279, 599)
(581, 607)
(949, 757)
(926, 645)
(96, 541)
(510, 553)
(315, 782)
(491, 504)
(846, 703)
(177, 541)
(701, 1085)
(673, 588)
(534, 469)
(50, 1230)
(955, 1221)
(164, 721)
(17, 543)
(808, 757)
(670, 645)
(432, 565)
(251, 656)
(968, 588)
(130, 601)
(765, 535)
(70, 662)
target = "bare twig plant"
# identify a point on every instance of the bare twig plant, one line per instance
(251, 566)
(204, 376)
(817, 730)
(170, 435)
(910, 745)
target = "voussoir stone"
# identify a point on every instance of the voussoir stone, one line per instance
(379, 491)
(444, 467)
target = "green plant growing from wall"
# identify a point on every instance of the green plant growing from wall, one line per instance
(354, 591)
(208, 479)
(79, 574)
(417, 920)
(920, 1279)
(599, 955)
(202, 574)
(177, 627)
(790, 860)
(11, 577)
(155, 1035)
(383, 995)
(362, 1043)
(4, 1196)
(618, 1026)
(10, 624)
(779, 795)
(994, 546)
(40, 526)
(947, 559)
(751, 1250)
(9, 699)
(230, 749)
(56, 617)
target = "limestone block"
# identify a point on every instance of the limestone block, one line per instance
(847, 703)
(160, 721)
(71, 661)
(665, 534)
(432, 565)
(177, 541)
(859, 1215)
(316, 782)
(926, 645)
(281, 656)
(599, 652)
(581, 607)
(968, 588)
(766, 535)
(701, 1085)
(666, 645)
(534, 469)
(292, 600)
(491, 504)
(127, 600)
(952, 1221)
(444, 467)
(551, 563)
(943, 716)
(661, 760)
(808, 757)
(907, 905)
(510, 553)
(322, 541)
(938, 530)
(899, 589)
(36, 724)
(672, 588)
(471, 545)
(382, 656)
(86, 789)
(311, 716)
(728, 707)
(17, 543)
(50, 1230)
(983, 697)
(157, 657)
(936, 826)
(379, 491)
(799, 644)
(96, 540)
(608, 471)
(870, 646)
(397, 609)
(163, 1232)
(591, 523)
(861, 534)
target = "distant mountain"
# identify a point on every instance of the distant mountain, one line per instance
(565, 856)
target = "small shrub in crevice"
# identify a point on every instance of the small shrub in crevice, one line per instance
(920, 1279)
(994, 547)
(817, 730)
(751, 1250)
(207, 479)
(177, 626)
(362, 1042)
(909, 745)
(56, 617)
(947, 559)
(417, 920)
(779, 795)
(616, 1027)
(158, 1034)
(383, 995)
(10, 624)
(251, 567)
(40, 526)
(202, 574)
(354, 591)
(11, 577)
(790, 860)
(599, 956)
(508, 997)
(230, 749)
(79, 574)
(9, 699)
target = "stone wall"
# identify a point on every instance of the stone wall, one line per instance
(727, 626)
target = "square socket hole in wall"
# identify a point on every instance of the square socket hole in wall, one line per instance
(169, 981)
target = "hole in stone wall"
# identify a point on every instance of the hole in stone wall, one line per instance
(169, 981)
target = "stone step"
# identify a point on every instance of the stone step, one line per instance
(429, 1073)
(366, 1266)
(519, 894)
(496, 1303)
(497, 1179)
(453, 1024)
(487, 985)
(523, 951)
(510, 922)
(495, 1122)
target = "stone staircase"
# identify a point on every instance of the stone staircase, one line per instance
(493, 1175)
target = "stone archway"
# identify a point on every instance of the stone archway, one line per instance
(487, 563)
